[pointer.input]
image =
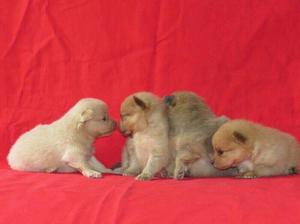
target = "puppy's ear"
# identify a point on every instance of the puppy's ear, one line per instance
(140, 102)
(170, 100)
(85, 116)
(239, 137)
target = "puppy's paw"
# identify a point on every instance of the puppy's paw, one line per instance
(166, 174)
(91, 174)
(179, 174)
(247, 175)
(144, 176)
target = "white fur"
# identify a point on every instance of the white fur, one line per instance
(245, 166)
(66, 144)
(144, 143)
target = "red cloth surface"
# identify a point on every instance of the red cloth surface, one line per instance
(243, 57)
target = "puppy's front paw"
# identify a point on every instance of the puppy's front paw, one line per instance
(144, 176)
(166, 174)
(247, 175)
(91, 174)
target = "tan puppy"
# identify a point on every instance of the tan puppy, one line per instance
(192, 124)
(144, 121)
(66, 144)
(256, 150)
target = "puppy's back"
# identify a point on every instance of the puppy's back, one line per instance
(188, 113)
(31, 149)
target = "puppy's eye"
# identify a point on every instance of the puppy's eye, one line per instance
(220, 152)
(104, 119)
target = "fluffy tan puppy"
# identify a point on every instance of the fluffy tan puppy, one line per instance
(65, 145)
(192, 124)
(256, 150)
(144, 121)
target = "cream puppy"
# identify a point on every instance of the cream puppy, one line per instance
(192, 124)
(255, 149)
(144, 121)
(65, 145)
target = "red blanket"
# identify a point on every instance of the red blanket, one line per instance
(243, 57)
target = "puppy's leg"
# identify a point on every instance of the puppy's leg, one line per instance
(80, 162)
(168, 172)
(133, 168)
(130, 163)
(128, 149)
(264, 171)
(153, 166)
(98, 166)
(183, 159)
(271, 170)
(180, 169)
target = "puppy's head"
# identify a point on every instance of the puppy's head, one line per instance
(136, 110)
(232, 144)
(181, 98)
(93, 118)
(184, 105)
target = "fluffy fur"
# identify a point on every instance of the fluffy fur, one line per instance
(66, 144)
(192, 124)
(144, 121)
(255, 149)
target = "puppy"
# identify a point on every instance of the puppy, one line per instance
(144, 122)
(255, 150)
(66, 144)
(191, 126)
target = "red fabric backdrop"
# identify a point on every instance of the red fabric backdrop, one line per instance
(243, 57)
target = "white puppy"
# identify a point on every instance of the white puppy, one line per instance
(65, 145)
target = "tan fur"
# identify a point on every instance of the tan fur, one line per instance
(192, 123)
(66, 144)
(144, 119)
(255, 149)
